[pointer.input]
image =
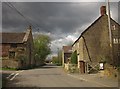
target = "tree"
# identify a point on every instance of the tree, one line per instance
(74, 58)
(42, 47)
(57, 59)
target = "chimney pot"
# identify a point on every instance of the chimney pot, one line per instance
(103, 10)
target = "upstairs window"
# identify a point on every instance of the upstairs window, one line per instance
(115, 40)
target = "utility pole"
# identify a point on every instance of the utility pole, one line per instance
(58, 54)
(110, 31)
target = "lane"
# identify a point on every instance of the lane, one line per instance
(49, 76)
(92, 81)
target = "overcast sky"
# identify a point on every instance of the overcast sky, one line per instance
(62, 21)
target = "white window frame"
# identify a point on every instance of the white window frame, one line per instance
(115, 40)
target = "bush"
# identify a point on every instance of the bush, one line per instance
(73, 68)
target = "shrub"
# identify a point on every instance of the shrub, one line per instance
(73, 68)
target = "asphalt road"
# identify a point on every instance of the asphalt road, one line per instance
(47, 76)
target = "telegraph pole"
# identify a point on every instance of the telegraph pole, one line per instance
(58, 54)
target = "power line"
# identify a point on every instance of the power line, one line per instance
(26, 19)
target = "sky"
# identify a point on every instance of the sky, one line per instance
(62, 21)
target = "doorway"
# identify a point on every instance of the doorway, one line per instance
(82, 67)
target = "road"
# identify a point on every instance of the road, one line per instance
(47, 76)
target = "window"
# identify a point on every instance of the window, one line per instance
(113, 27)
(14, 45)
(11, 54)
(115, 40)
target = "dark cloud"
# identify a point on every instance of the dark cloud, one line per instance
(63, 21)
(49, 16)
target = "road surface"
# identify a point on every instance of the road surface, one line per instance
(47, 76)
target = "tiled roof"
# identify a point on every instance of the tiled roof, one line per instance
(12, 37)
(67, 49)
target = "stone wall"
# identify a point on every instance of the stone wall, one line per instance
(11, 62)
(6, 63)
(66, 56)
(97, 43)
(5, 49)
(30, 51)
(93, 46)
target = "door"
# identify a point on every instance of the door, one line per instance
(82, 67)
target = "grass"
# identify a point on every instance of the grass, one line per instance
(8, 69)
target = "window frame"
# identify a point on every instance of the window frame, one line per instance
(116, 40)
(12, 54)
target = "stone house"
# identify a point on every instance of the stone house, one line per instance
(66, 54)
(93, 45)
(17, 49)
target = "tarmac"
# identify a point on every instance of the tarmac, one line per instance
(97, 79)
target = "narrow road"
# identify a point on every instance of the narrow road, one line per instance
(47, 76)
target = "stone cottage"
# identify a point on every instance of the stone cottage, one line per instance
(17, 49)
(93, 45)
(66, 54)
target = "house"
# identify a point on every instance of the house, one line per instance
(17, 49)
(93, 45)
(66, 54)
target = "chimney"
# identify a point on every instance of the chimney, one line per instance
(103, 10)
(29, 27)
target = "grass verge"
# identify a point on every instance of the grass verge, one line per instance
(8, 69)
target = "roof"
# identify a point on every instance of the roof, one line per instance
(8, 37)
(92, 25)
(12, 37)
(67, 49)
